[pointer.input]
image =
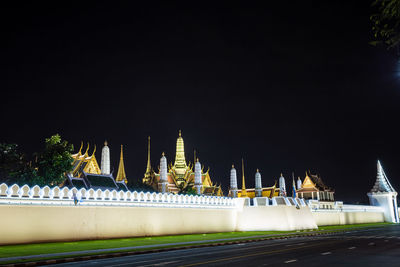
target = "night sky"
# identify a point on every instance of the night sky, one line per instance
(290, 87)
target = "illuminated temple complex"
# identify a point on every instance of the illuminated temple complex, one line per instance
(180, 177)
(86, 172)
(311, 188)
(258, 191)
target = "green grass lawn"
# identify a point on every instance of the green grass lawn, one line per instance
(48, 248)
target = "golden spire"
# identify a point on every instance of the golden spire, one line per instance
(121, 176)
(180, 133)
(244, 192)
(105, 143)
(148, 168)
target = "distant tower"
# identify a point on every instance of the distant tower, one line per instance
(197, 177)
(384, 195)
(233, 184)
(148, 172)
(299, 183)
(282, 186)
(258, 189)
(163, 173)
(105, 159)
(244, 192)
(121, 176)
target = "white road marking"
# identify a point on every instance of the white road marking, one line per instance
(289, 261)
(352, 247)
(326, 253)
(371, 244)
(386, 240)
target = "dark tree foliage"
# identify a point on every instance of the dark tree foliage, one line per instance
(55, 161)
(14, 168)
(386, 23)
(188, 191)
(138, 185)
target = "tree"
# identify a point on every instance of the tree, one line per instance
(54, 161)
(138, 185)
(188, 190)
(14, 168)
(386, 23)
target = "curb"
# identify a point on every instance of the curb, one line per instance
(130, 253)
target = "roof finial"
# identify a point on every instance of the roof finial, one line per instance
(80, 149)
(163, 154)
(180, 133)
(87, 149)
(94, 151)
(257, 170)
(105, 143)
(233, 166)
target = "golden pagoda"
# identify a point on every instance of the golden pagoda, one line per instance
(180, 175)
(121, 176)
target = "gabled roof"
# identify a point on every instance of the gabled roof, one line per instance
(314, 181)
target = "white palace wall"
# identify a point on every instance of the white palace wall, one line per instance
(25, 224)
(49, 214)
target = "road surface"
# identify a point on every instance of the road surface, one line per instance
(378, 247)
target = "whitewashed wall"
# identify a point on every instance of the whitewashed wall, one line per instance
(49, 214)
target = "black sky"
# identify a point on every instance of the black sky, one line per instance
(290, 87)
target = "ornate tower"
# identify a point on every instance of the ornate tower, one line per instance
(121, 176)
(384, 195)
(197, 177)
(299, 183)
(105, 159)
(163, 174)
(244, 192)
(233, 182)
(282, 186)
(258, 188)
(148, 173)
(180, 161)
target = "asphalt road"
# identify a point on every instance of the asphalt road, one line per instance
(373, 247)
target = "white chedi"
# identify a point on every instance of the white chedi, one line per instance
(299, 183)
(105, 159)
(282, 186)
(258, 187)
(233, 182)
(163, 173)
(197, 177)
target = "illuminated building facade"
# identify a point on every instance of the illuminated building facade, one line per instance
(314, 188)
(180, 176)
